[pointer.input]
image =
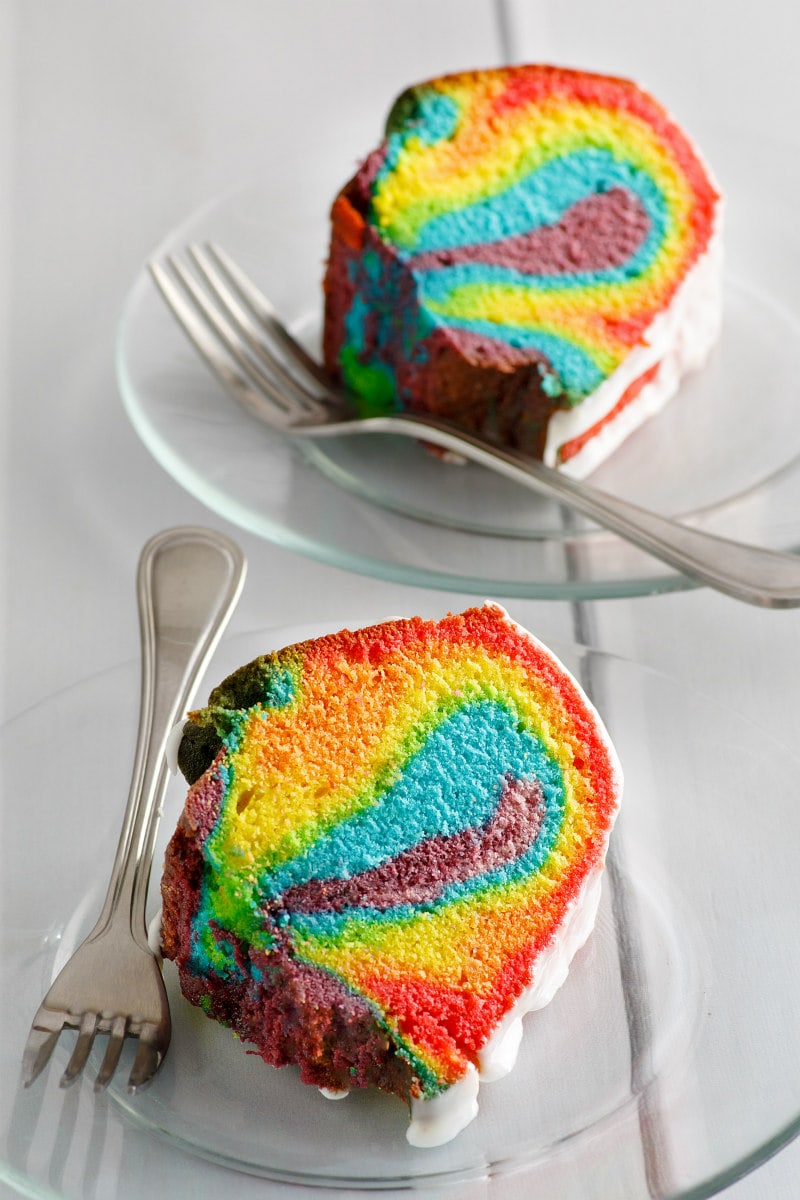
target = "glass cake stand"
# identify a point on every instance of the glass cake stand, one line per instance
(725, 453)
(665, 1067)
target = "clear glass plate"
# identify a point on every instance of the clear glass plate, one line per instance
(725, 452)
(666, 1066)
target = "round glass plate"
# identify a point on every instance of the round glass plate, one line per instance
(665, 1066)
(725, 452)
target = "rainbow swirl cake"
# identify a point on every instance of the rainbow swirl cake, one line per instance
(390, 851)
(531, 252)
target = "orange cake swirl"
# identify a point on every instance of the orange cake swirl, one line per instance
(533, 252)
(389, 851)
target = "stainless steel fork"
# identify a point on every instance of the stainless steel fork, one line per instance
(239, 334)
(189, 581)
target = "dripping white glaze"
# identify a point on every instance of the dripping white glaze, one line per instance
(174, 738)
(439, 1120)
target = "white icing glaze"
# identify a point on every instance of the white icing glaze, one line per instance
(680, 339)
(436, 1121)
(173, 742)
(154, 934)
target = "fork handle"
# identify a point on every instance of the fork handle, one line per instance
(189, 580)
(755, 574)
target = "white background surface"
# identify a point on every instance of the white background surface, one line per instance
(116, 121)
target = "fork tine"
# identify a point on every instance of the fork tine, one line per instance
(113, 1051)
(41, 1042)
(86, 1033)
(253, 333)
(148, 1059)
(253, 399)
(227, 336)
(250, 372)
(265, 313)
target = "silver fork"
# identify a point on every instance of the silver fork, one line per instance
(239, 334)
(188, 583)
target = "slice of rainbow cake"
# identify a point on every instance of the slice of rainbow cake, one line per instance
(390, 851)
(533, 253)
